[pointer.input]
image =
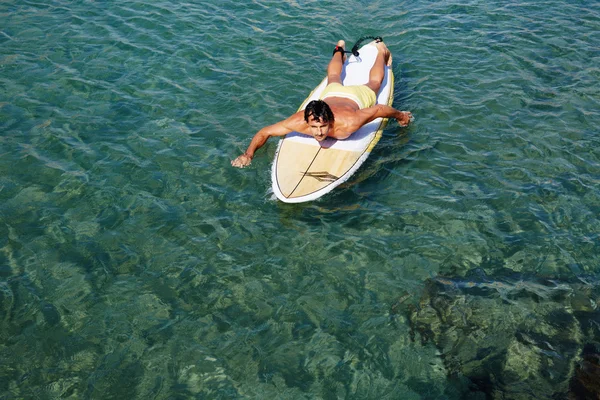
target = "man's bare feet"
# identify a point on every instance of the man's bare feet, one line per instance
(387, 55)
(342, 44)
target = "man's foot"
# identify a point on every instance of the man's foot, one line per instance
(387, 55)
(342, 44)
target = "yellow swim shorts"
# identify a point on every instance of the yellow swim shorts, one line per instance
(360, 94)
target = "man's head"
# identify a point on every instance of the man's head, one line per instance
(319, 118)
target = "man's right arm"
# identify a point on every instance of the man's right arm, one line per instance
(281, 128)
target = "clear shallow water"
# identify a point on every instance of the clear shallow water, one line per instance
(461, 261)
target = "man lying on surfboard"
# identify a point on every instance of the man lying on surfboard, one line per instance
(341, 110)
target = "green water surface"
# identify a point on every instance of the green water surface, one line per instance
(460, 262)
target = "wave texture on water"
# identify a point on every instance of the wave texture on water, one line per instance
(461, 261)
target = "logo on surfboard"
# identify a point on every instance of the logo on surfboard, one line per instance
(322, 176)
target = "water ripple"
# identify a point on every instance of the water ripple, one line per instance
(135, 262)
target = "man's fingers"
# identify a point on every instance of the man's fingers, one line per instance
(408, 118)
(240, 162)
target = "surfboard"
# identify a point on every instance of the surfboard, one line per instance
(304, 169)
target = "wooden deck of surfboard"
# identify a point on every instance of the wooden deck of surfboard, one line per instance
(304, 169)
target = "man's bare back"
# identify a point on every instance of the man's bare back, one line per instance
(336, 117)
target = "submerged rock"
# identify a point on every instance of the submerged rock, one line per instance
(511, 339)
(586, 381)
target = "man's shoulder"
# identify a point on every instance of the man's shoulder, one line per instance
(351, 120)
(296, 122)
(350, 114)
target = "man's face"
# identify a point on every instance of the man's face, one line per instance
(318, 128)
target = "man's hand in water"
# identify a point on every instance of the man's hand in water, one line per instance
(405, 118)
(242, 161)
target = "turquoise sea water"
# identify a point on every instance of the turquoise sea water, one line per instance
(461, 261)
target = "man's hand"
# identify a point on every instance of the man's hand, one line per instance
(405, 118)
(242, 161)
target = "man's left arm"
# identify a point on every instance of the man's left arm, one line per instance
(367, 115)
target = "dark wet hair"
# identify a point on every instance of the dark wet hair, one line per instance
(320, 110)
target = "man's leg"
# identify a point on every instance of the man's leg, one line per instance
(334, 69)
(377, 72)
